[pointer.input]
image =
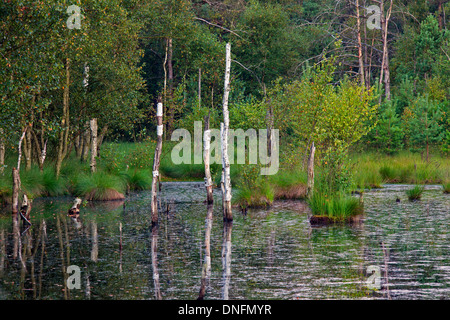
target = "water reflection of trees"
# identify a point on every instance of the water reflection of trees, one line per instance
(206, 270)
(33, 262)
(226, 259)
(275, 254)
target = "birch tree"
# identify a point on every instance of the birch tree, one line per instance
(224, 129)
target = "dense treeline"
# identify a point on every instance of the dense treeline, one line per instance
(389, 83)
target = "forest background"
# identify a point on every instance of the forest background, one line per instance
(375, 101)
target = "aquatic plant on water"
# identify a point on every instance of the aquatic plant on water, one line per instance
(446, 186)
(415, 193)
(334, 207)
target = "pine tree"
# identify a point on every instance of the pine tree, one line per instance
(425, 127)
(389, 134)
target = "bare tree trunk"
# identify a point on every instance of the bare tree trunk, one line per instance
(441, 15)
(27, 150)
(269, 127)
(226, 196)
(2, 152)
(93, 127)
(101, 137)
(64, 134)
(19, 149)
(79, 145)
(385, 74)
(360, 51)
(41, 151)
(171, 106)
(199, 88)
(366, 68)
(15, 191)
(156, 161)
(86, 142)
(310, 189)
(206, 158)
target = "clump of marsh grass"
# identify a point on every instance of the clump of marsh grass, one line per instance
(334, 207)
(415, 193)
(5, 189)
(137, 179)
(99, 186)
(289, 184)
(253, 190)
(446, 187)
(257, 197)
(53, 186)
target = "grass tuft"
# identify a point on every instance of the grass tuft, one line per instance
(338, 207)
(415, 193)
(446, 186)
(99, 186)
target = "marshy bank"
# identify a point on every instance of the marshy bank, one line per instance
(126, 167)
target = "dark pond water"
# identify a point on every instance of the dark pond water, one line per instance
(401, 251)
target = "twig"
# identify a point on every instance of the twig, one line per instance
(218, 26)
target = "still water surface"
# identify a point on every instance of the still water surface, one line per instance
(267, 254)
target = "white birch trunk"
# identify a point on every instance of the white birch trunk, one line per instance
(156, 161)
(94, 130)
(206, 160)
(228, 215)
(310, 184)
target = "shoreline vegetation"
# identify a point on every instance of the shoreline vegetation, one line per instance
(126, 167)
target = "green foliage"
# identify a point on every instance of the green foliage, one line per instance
(445, 149)
(425, 125)
(334, 118)
(248, 115)
(389, 133)
(266, 43)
